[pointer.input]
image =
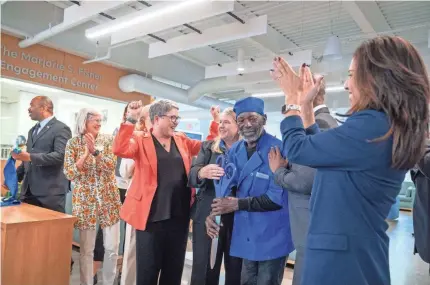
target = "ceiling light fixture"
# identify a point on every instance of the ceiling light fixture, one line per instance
(240, 61)
(179, 7)
(281, 94)
(333, 48)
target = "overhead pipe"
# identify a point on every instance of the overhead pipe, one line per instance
(141, 84)
(73, 16)
(46, 34)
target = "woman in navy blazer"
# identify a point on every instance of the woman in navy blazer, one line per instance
(361, 164)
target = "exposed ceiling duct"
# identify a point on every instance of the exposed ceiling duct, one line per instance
(141, 84)
(73, 16)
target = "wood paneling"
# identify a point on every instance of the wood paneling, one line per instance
(56, 68)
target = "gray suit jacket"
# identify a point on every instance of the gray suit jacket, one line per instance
(44, 173)
(421, 212)
(298, 181)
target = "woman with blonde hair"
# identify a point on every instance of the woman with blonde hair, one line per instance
(90, 165)
(202, 174)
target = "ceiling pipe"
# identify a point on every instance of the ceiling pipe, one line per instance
(141, 84)
(73, 16)
(46, 34)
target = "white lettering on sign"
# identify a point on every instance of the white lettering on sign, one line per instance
(44, 63)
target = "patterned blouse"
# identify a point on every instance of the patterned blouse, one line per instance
(95, 195)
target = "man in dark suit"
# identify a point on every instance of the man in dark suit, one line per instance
(298, 181)
(43, 182)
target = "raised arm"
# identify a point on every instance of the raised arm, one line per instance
(213, 131)
(125, 144)
(193, 146)
(348, 147)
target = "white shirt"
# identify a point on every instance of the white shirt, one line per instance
(126, 171)
(43, 123)
(319, 107)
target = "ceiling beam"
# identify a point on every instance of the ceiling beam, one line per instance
(260, 64)
(360, 18)
(211, 36)
(368, 17)
(274, 41)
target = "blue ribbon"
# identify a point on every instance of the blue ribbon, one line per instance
(11, 181)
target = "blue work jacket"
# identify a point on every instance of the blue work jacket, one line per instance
(259, 236)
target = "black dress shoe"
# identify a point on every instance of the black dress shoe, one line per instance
(95, 279)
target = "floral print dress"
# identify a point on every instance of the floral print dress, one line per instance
(95, 195)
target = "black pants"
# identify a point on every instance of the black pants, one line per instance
(99, 250)
(160, 252)
(202, 273)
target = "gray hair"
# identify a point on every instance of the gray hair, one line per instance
(81, 120)
(161, 108)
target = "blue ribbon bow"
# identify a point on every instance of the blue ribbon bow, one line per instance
(11, 181)
(224, 185)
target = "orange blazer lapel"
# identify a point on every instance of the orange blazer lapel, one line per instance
(183, 151)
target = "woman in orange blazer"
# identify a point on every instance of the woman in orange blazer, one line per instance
(158, 200)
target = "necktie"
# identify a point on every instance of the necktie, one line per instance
(36, 129)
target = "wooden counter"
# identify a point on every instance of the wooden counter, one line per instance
(36, 246)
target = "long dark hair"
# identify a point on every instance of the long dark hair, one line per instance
(391, 76)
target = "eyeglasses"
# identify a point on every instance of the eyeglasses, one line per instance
(98, 121)
(173, 119)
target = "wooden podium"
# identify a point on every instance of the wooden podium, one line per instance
(36, 246)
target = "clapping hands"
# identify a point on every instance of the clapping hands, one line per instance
(300, 88)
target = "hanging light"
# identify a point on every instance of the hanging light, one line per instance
(332, 49)
(240, 65)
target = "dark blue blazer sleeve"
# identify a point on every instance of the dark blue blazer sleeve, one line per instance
(348, 147)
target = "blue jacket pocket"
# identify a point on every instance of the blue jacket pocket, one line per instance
(328, 242)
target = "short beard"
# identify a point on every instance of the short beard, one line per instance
(252, 138)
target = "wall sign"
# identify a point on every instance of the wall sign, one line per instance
(60, 69)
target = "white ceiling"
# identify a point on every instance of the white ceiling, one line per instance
(292, 26)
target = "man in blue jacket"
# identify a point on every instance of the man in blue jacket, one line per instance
(261, 231)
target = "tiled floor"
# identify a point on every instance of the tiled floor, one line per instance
(406, 268)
